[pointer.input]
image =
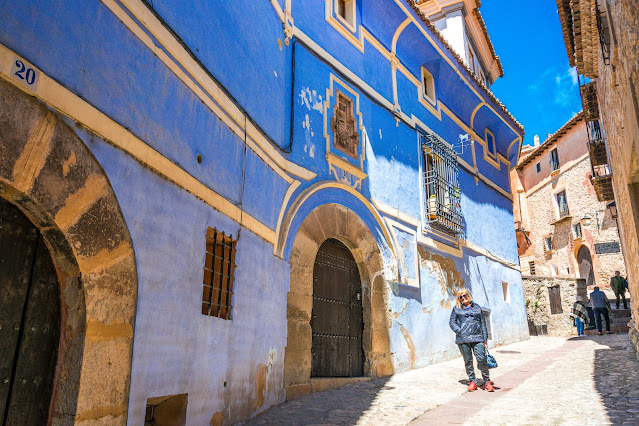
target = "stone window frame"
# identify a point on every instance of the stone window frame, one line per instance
(353, 138)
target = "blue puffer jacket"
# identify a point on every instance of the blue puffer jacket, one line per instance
(469, 324)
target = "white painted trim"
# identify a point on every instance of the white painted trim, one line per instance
(212, 95)
(69, 104)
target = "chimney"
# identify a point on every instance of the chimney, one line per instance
(536, 141)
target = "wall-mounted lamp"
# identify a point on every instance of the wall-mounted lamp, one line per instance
(587, 219)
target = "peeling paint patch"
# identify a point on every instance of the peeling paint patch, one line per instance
(380, 133)
(217, 419)
(66, 166)
(449, 278)
(410, 344)
(311, 100)
(401, 311)
(428, 310)
(260, 387)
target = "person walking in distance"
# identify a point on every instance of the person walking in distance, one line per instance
(579, 314)
(468, 322)
(618, 285)
(600, 306)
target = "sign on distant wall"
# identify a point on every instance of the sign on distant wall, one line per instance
(604, 248)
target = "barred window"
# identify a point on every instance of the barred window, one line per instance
(219, 265)
(442, 197)
(531, 266)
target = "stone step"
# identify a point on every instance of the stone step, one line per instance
(615, 328)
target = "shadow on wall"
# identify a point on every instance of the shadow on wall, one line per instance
(345, 406)
(616, 376)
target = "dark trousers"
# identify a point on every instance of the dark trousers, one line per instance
(479, 349)
(598, 313)
(623, 296)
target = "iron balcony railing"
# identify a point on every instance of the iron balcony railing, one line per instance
(442, 196)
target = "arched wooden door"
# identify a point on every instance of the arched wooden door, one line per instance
(585, 265)
(336, 320)
(29, 321)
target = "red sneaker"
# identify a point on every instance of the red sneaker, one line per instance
(472, 387)
(489, 387)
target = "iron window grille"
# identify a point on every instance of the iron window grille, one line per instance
(562, 204)
(531, 267)
(604, 36)
(219, 266)
(554, 160)
(442, 195)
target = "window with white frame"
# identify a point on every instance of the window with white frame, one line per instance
(562, 204)
(576, 231)
(548, 243)
(442, 195)
(428, 85)
(345, 11)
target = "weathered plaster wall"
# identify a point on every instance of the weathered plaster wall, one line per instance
(538, 305)
(231, 367)
(618, 91)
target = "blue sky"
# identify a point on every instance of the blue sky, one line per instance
(538, 87)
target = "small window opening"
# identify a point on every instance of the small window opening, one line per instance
(576, 231)
(554, 160)
(490, 141)
(562, 204)
(531, 267)
(219, 265)
(506, 288)
(554, 296)
(166, 410)
(538, 167)
(428, 85)
(489, 327)
(345, 9)
(548, 243)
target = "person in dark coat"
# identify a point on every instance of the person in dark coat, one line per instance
(468, 322)
(618, 285)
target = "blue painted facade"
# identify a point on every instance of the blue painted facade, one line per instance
(283, 77)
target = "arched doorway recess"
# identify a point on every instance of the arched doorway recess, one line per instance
(336, 320)
(48, 173)
(334, 221)
(29, 320)
(584, 260)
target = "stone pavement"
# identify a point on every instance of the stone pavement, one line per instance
(544, 380)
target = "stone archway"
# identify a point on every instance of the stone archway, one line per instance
(51, 176)
(338, 222)
(584, 263)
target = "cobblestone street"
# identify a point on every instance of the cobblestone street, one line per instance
(544, 380)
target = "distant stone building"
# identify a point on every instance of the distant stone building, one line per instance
(602, 39)
(563, 230)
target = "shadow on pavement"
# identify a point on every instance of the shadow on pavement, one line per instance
(342, 406)
(616, 375)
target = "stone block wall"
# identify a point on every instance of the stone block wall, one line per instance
(536, 294)
(618, 93)
(582, 201)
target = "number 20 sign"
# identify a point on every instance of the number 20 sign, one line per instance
(24, 73)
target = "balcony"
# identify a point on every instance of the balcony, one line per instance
(597, 151)
(602, 181)
(589, 101)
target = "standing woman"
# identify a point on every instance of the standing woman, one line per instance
(468, 322)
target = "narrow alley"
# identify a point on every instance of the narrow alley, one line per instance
(545, 380)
